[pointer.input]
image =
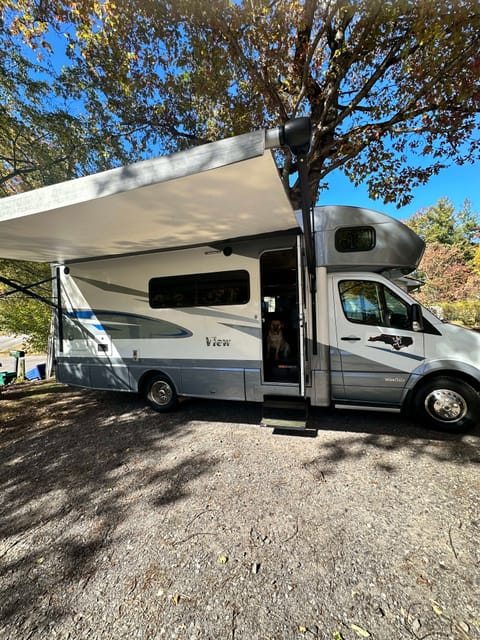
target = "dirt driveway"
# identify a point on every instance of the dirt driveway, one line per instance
(117, 522)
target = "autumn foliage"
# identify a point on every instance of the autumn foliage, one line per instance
(447, 277)
(392, 86)
(449, 265)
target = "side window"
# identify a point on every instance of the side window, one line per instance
(397, 311)
(200, 290)
(362, 302)
(368, 302)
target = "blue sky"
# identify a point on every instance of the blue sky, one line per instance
(456, 183)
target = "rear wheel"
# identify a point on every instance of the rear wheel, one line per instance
(161, 394)
(447, 404)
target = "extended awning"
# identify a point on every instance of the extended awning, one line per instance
(217, 191)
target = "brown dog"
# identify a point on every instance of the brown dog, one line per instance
(277, 346)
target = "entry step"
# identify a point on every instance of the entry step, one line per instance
(287, 416)
(284, 402)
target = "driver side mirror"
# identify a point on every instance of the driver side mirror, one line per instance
(416, 317)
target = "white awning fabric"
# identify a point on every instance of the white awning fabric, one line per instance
(214, 192)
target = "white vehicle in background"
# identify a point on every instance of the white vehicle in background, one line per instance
(175, 277)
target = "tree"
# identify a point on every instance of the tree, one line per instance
(22, 315)
(392, 86)
(44, 139)
(441, 224)
(476, 261)
(448, 265)
(447, 278)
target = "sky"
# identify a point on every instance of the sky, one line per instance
(456, 183)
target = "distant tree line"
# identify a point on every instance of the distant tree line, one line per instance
(450, 268)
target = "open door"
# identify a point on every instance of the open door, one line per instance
(302, 324)
(283, 317)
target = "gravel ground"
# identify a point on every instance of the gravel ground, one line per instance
(117, 522)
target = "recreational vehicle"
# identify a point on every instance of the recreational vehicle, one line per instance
(191, 275)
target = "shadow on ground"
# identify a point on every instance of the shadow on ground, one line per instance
(73, 463)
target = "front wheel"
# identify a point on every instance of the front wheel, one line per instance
(447, 404)
(161, 394)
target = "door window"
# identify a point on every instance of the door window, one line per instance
(367, 302)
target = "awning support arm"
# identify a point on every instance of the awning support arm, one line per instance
(297, 135)
(26, 289)
(19, 288)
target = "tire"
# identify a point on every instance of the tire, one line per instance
(447, 404)
(161, 394)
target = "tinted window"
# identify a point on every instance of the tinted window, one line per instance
(361, 301)
(368, 302)
(350, 239)
(200, 290)
(397, 310)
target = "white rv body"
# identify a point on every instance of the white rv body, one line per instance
(353, 357)
(188, 276)
(207, 351)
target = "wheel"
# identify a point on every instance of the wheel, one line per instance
(447, 404)
(161, 394)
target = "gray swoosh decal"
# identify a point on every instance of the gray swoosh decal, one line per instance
(115, 288)
(256, 332)
(121, 325)
(412, 356)
(201, 311)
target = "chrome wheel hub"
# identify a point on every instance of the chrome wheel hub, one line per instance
(445, 405)
(161, 392)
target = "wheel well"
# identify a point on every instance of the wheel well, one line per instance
(148, 376)
(451, 373)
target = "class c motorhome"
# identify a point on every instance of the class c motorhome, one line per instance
(191, 275)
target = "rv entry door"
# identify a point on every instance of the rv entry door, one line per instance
(302, 325)
(283, 316)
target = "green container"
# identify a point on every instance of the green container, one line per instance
(6, 377)
(17, 354)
